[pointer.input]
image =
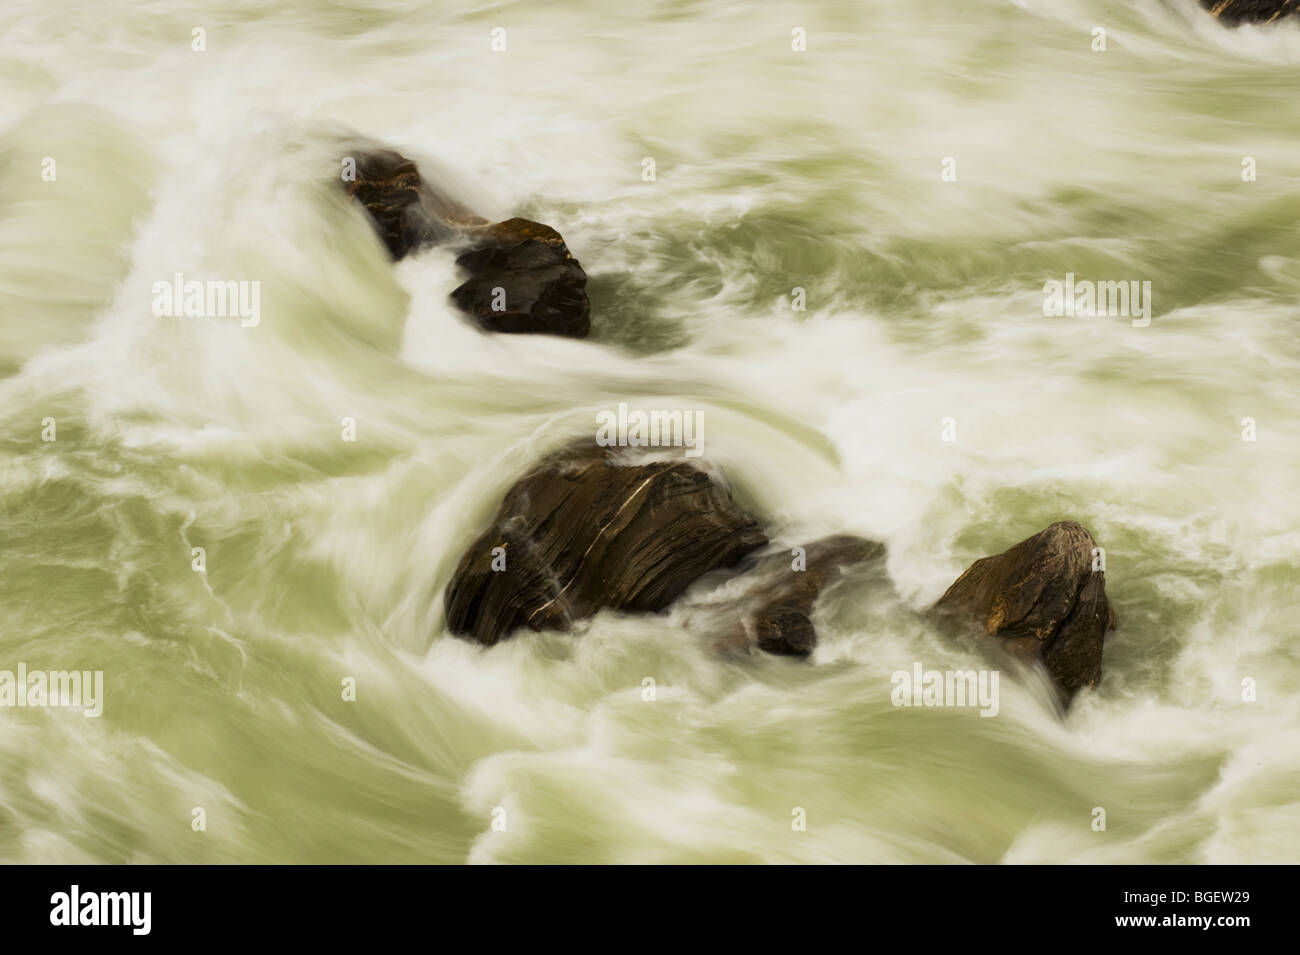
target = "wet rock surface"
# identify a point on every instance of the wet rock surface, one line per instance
(583, 532)
(1251, 11)
(524, 280)
(790, 586)
(1040, 600)
(407, 212)
(522, 277)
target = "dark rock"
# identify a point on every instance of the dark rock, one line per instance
(407, 212)
(543, 288)
(1041, 600)
(785, 632)
(583, 532)
(1251, 11)
(783, 622)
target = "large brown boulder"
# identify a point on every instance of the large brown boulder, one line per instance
(522, 277)
(584, 531)
(1251, 11)
(1041, 601)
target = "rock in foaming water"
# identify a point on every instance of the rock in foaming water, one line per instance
(583, 532)
(407, 211)
(790, 585)
(522, 277)
(1041, 600)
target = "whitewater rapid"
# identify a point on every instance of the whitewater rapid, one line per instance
(326, 560)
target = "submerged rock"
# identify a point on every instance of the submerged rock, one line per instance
(407, 212)
(1251, 11)
(791, 584)
(1041, 600)
(523, 278)
(584, 532)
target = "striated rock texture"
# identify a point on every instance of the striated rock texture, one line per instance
(522, 277)
(542, 286)
(783, 622)
(1251, 11)
(407, 212)
(582, 532)
(1041, 600)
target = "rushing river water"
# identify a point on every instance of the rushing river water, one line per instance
(325, 560)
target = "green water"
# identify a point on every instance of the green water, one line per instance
(326, 560)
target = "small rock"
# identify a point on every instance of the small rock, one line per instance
(523, 279)
(783, 623)
(407, 212)
(1041, 600)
